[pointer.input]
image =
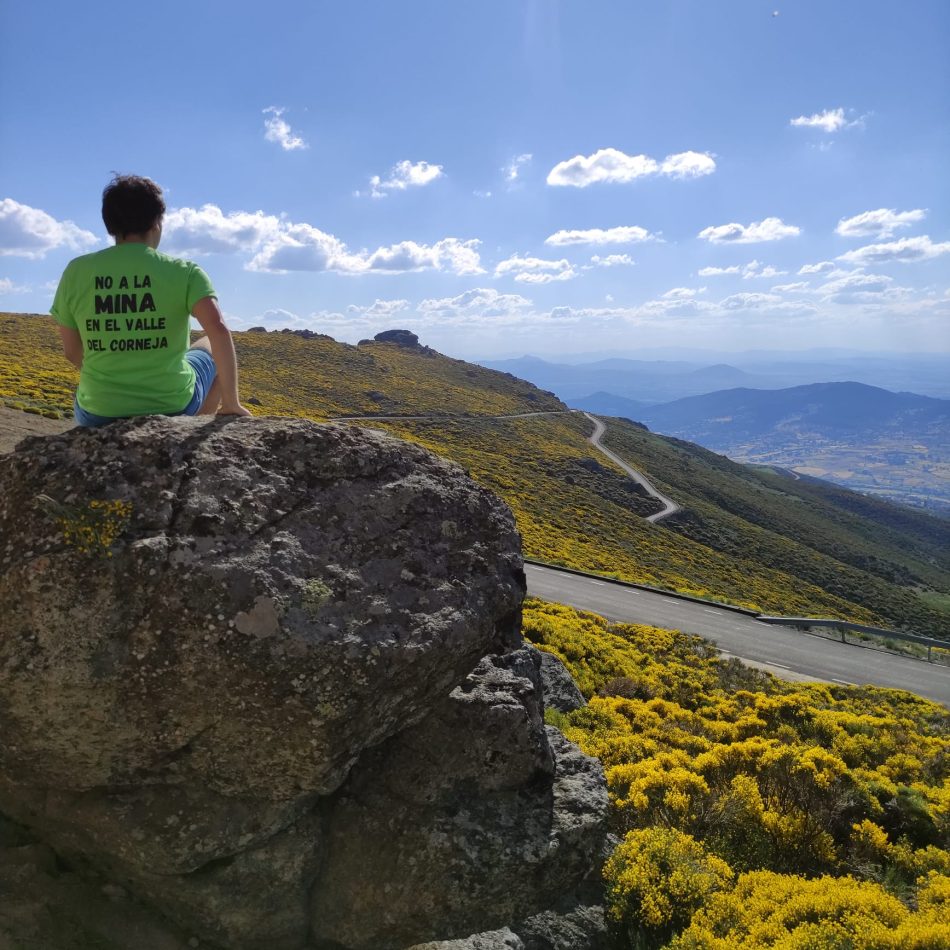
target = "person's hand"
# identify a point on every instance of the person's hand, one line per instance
(235, 410)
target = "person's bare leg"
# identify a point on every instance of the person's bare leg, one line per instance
(213, 400)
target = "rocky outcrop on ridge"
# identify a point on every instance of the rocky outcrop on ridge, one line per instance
(262, 686)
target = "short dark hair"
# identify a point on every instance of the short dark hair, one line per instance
(131, 205)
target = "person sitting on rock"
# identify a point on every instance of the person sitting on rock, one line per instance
(124, 319)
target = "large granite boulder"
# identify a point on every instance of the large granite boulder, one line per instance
(430, 836)
(230, 647)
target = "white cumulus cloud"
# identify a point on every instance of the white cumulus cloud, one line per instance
(449, 254)
(718, 271)
(612, 260)
(30, 232)
(683, 293)
(276, 129)
(831, 120)
(688, 165)
(748, 271)
(881, 223)
(622, 235)
(279, 245)
(612, 165)
(208, 230)
(534, 270)
(856, 281)
(820, 268)
(904, 251)
(769, 229)
(405, 175)
(859, 288)
(481, 302)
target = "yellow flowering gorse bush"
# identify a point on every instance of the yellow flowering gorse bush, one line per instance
(90, 528)
(797, 783)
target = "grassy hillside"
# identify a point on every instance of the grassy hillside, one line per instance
(289, 375)
(748, 538)
(585, 524)
(755, 812)
(866, 551)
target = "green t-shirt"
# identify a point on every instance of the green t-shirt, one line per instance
(132, 307)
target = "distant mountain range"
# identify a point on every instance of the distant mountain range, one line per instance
(657, 381)
(892, 444)
(640, 380)
(607, 404)
(833, 411)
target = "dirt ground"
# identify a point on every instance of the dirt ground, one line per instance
(16, 425)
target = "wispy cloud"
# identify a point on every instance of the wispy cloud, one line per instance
(612, 260)
(380, 308)
(881, 223)
(512, 170)
(612, 165)
(534, 270)
(404, 175)
(749, 301)
(276, 244)
(821, 267)
(621, 235)
(276, 129)
(831, 120)
(799, 287)
(32, 233)
(904, 251)
(769, 229)
(748, 271)
(718, 271)
(482, 301)
(8, 288)
(859, 288)
(683, 293)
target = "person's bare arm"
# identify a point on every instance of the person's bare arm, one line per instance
(72, 345)
(208, 314)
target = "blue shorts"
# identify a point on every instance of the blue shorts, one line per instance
(205, 372)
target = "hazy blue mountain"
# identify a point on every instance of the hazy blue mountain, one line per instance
(895, 445)
(653, 376)
(607, 404)
(854, 411)
(640, 380)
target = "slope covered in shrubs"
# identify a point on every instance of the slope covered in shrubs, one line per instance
(755, 812)
(755, 539)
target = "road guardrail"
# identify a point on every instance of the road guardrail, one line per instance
(843, 626)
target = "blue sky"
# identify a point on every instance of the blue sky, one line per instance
(507, 176)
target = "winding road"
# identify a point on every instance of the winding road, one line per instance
(787, 653)
(669, 506)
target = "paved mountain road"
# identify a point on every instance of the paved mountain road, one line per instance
(787, 653)
(669, 506)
